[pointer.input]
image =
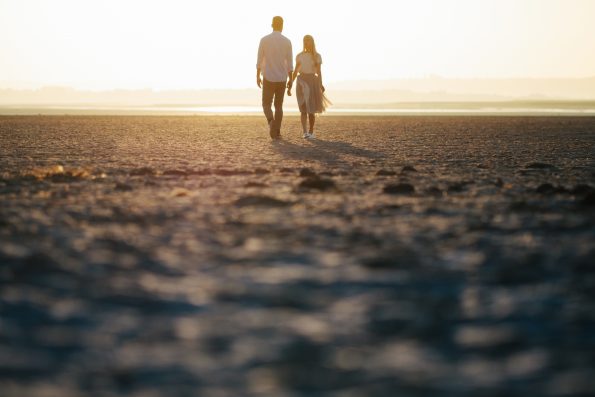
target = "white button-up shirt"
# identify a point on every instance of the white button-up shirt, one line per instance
(275, 57)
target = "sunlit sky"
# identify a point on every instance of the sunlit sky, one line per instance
(191, 44)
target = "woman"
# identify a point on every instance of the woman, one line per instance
(310, 91)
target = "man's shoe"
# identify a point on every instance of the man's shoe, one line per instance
(311, 135)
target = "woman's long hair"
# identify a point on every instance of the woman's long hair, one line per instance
(310, 47)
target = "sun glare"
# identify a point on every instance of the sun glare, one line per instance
(189, 44)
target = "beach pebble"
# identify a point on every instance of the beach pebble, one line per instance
(175, 173)
(255, 185)
(546, 188)
(397, 258)
(582, 189)
(307, 173)
(540, 166)
(260, 201)
(408, 168)
(457, 187)
(143, 171)
(385, 173)
(316, 183)
(399, 188)
(589, 200)
(123, 187)
(434, 191)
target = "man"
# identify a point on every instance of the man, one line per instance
(275, 63)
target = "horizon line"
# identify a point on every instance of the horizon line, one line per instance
(41, 86)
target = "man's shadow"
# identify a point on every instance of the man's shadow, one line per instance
(328, 152)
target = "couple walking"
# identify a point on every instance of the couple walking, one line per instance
(275, 64)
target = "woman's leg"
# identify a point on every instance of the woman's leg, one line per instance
(304, 120)
(312, 118)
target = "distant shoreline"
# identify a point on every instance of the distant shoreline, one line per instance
(510, 108)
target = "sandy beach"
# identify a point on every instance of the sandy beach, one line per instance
(392, 256)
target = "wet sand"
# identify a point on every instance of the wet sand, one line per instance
(192, 256)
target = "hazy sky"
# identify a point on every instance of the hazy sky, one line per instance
(188, 44)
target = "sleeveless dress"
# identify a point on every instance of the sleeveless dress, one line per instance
(309, 93)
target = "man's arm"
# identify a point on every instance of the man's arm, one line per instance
(259, 61)
(289, 61)
(298, 66)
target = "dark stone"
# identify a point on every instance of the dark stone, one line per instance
(546, 188)
(540, 166)
(317, 184)
(225, 172)
(582, 189)
(217, 344)
(65, 177)
(307, 173)
(261, 171)
(122, 187)
(301, 367)
(36, 264)
(260, 201)
(400, 188)
(434, 191)
(123, 378)
(525, 268)
(386, 173)
(175, 173)
(456, 187)
(396, 259)
(143, 171)
(525, 206)
(387, 208)
(589, 200)
(255, 184)
(408, 168)
(583, 265)
(302, 352)
(202, 172)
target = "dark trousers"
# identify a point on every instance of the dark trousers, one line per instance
(272, 91)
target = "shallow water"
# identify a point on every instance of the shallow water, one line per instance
(391, 256)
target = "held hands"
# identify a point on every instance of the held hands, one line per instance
(289, 85)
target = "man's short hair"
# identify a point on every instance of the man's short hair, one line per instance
(277, 23)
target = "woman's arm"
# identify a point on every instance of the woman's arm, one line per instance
(298, 67)
(319, 72)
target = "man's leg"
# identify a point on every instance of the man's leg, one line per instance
(279, 96)
(268, 91)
